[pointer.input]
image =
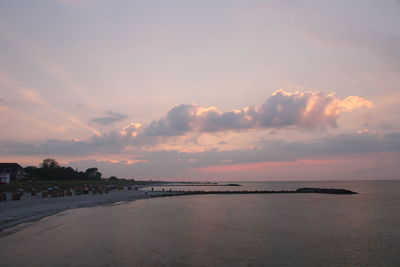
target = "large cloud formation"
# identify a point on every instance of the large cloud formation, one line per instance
(283, 109)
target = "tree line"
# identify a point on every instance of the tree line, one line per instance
(50, 169)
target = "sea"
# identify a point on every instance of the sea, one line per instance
(221, 230)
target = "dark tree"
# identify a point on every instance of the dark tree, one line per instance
(93, 173)
(32, 172)
(113, 178)
(50, 169)
(49, 164)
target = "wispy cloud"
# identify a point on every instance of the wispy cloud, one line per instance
(32, 96)
(3, 104)
(110, 117)
(51, 66)
(76, 3)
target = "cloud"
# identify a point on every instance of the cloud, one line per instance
(173, 163)
(273, 150)
(32, 96)
(3, 106)
(170, 164)
(76, 3)
(106, 143)
(283, 109)
(110, 118)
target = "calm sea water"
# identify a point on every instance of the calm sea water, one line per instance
(222, 230)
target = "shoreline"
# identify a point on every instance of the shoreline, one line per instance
(34, 208)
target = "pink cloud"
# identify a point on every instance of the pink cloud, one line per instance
(307, 109)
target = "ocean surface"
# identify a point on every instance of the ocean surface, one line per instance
(222, 230)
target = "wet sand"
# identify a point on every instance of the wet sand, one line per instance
(32, 208)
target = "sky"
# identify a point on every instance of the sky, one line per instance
(225, 90)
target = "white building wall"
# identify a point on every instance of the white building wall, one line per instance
(4, 178)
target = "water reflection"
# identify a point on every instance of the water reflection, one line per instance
(221, 230)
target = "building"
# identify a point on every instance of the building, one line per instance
(10, 171)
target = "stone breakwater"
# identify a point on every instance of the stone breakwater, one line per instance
(298, 191)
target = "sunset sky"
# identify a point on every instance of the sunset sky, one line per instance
(203, 90)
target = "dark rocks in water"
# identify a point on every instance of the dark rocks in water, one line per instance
(300, 190)
(325, 191)
(233, 185)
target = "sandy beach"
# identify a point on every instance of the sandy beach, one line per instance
(31, 208)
